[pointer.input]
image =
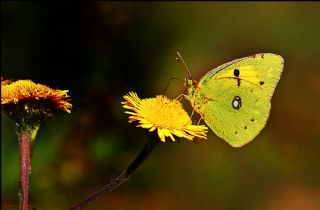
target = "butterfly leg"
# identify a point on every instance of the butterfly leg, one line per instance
(192, 113)
(181, 96)
(197, 139)
(201, 118)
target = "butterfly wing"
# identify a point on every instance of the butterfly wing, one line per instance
(235, 99)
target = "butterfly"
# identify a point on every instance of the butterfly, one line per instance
(234, 99)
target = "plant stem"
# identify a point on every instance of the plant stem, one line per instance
(123, 177)
(25, 165)
(26, 136)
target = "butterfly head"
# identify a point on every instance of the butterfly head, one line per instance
(188, 82)
(190, 85)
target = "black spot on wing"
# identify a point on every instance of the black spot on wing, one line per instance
(236, 72)
(238, 82)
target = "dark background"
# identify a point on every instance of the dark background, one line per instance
(103, 50)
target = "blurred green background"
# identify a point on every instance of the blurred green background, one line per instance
(103, 50)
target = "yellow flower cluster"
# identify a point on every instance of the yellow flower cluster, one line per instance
(160, 114)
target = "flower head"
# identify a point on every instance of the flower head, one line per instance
(24, 100)
(164, 115)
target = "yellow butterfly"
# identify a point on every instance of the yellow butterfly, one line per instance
(234, 99)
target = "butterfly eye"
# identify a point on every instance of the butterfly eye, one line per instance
(189, 82)
(236, 102)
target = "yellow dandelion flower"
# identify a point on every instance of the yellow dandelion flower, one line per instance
(164, 115)
(26, 90)
(24, 100)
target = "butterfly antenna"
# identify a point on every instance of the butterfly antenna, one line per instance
(169, 83)
(181, 61)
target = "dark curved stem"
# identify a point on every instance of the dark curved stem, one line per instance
(123, 177)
